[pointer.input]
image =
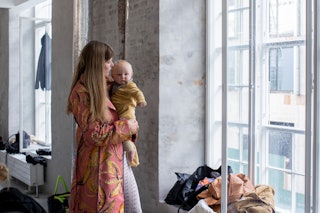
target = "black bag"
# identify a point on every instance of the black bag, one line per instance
(59, 203)
(13, 200)
(2, 144)
(174, 196)
(189, 192)
(13, 148)
(183, 192)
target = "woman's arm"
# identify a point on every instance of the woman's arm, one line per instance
(96, 132)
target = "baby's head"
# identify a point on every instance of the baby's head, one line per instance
(122, 72)
(4, 172)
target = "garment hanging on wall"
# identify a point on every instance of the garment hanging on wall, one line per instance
(44, 64)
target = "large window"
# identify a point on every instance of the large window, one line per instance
(35, 75)
(257, 69)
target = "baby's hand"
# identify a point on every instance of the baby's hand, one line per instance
(142, 104)
(131, 155)
(133, 125)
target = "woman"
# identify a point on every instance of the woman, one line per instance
(97, 183)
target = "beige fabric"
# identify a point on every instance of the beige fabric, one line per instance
(260, 201)
(238, 185)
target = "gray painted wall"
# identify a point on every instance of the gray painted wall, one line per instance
(165, 42)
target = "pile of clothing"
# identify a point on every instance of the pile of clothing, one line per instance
(202, 190)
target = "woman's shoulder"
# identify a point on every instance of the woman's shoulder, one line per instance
(80, 88)
(79, 91)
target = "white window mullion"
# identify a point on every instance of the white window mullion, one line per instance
(308, 127)
(252, 123)
(293, 180)
(21, 127)
(316, 177)
(264, 171)
(224, 154)
(209, 84)
(316, 104)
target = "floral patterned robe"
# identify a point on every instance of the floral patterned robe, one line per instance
(97, 183)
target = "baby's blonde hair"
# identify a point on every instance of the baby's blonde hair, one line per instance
(4, 172)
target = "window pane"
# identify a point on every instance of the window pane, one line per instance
(286, 198)
(282, 17)
(280, 149)
(281, 69)
(286, 161)
(283, 197)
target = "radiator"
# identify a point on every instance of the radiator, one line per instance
(31, 175)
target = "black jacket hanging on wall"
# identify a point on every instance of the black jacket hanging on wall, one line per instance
(44, 64)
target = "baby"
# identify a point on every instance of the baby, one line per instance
(126, 96)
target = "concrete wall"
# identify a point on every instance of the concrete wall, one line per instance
(142, 50)
(62, 69)
(4, 72)
(13, 60)
(165, 42)
(182, 89)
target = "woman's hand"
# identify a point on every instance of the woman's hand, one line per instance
(133, 126)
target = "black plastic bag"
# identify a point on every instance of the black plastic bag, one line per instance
(13, 148)
(189, 192)
(191, 184)
(174, 196)
(13, 200)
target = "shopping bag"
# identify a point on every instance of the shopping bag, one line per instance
(59, 203)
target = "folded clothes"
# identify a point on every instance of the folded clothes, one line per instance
(44, 151)
(36, 160)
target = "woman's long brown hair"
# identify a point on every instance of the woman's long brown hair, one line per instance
(90, 69)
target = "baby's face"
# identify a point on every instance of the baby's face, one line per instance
(122, 73)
